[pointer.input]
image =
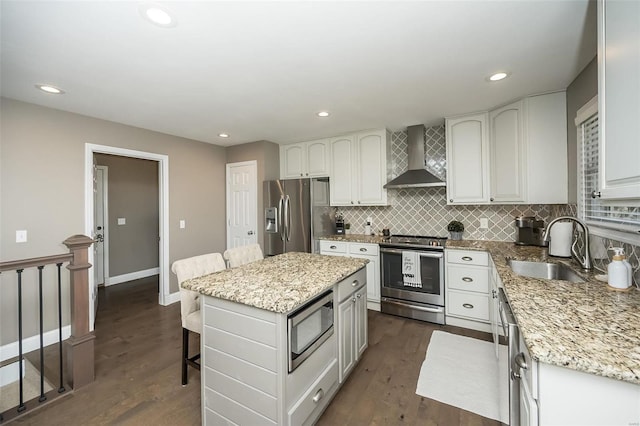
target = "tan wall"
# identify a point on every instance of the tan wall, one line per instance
(42, 187)
(580, 91)
(267, 156)
(132, 195)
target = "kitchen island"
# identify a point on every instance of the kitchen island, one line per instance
(583, 338)
(247, 312)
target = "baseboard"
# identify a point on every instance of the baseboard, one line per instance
(131, 276)
(172, 298)
(32, 343)
(373, 305)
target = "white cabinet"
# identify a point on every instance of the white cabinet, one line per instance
(352, 331)
(362, 251)
(467, 289)
(507, 154)
(306, 159)
(359, 169)
(467, 159)
(494, 305)
(619, 98)
(512, 155)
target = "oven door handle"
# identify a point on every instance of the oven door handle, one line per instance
(417, 308)
(436, 255)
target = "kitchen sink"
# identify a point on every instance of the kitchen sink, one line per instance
(549, 271)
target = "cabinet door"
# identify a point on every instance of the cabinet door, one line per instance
(371, 167)
(346, 338)
(467, 160)
(361, 326)
(292, 161)
(619, 99)
(342, 171)
(528, 406)
(318, 158)
(507, 154)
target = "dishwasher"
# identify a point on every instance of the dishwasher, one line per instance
(510, 328)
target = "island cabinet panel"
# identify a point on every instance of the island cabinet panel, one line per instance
(246, 372)
(256, 329)
(234, 412)
(238, 346)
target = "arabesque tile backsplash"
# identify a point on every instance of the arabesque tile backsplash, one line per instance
(424, 211)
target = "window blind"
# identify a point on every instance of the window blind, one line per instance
(593, 210)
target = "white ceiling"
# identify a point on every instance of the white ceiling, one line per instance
(261, 70)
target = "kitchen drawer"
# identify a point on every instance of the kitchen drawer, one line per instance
(329, 247)
(316, 396)
(363, 249)
(468, 257)
(469, 305)
(352, 283)
(468, 278)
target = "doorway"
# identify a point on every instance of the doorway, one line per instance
(164, 296)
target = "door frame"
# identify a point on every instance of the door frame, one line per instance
(164, 296)
(254, 164)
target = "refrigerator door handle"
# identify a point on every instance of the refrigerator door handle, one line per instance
(287, 207)
(281, 219)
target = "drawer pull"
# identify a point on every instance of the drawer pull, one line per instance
(318, 396)
(355, 283)
(363, 249)
(467, 305)
(333, 247)
(467, 279)
(467, 258)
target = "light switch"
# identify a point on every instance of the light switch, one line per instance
(122, 221)
(484, 223)
(183, 224)
(21, 236)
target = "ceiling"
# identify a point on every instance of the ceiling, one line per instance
(262, 70)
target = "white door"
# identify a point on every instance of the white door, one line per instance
(242, 200)
(100, 179)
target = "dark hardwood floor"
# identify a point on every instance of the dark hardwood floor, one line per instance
(138, 346)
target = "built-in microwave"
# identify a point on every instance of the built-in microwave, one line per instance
(308, 327)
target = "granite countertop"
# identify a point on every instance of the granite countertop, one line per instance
(279, 283)
(583, 326)
(354, 238)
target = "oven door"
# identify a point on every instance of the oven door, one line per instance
(431, 272)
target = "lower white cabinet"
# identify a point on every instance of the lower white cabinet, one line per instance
(352, 334)
(364, 251)
(467, 289)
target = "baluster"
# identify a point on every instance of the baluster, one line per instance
(59, 265)
(21, 406)
(42, 396)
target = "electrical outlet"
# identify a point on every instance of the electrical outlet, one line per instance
(122, 221)
(484, 223)
(21, 236)
(183, 224)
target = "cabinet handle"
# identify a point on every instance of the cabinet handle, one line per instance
(467, 279)
(451, 200)
(318, 396)
(363, 249)
(355, 283)
(352, 202)
(353, 300)
(467, 305)
(359, 296)
(333, 247)
(467, 258)
(521, 362)
(491, 199)
(301, 174)
(595, 194)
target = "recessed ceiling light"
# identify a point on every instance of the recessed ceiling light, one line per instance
(50, 89)
(158, 15)
(498, 76)
(323, 114)
(223, 135)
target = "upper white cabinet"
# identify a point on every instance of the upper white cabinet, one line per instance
(619, 98)
(306, 159)
(467, 159)
(506, 145)
(515, 154)
(358, 169)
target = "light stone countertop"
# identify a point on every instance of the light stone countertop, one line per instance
(279, 283)
(354, 238)
(582, 326)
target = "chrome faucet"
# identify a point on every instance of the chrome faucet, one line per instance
(584, 261)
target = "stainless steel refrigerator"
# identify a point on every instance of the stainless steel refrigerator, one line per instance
(296, 213)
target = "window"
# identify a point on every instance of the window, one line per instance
(607, 219)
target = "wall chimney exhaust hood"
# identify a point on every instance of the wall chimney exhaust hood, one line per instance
(416, 176)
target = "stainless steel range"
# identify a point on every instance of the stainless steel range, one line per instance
(412, 277)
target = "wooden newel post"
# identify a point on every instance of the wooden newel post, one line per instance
(79, 351)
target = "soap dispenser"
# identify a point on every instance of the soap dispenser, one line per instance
(619, 276)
